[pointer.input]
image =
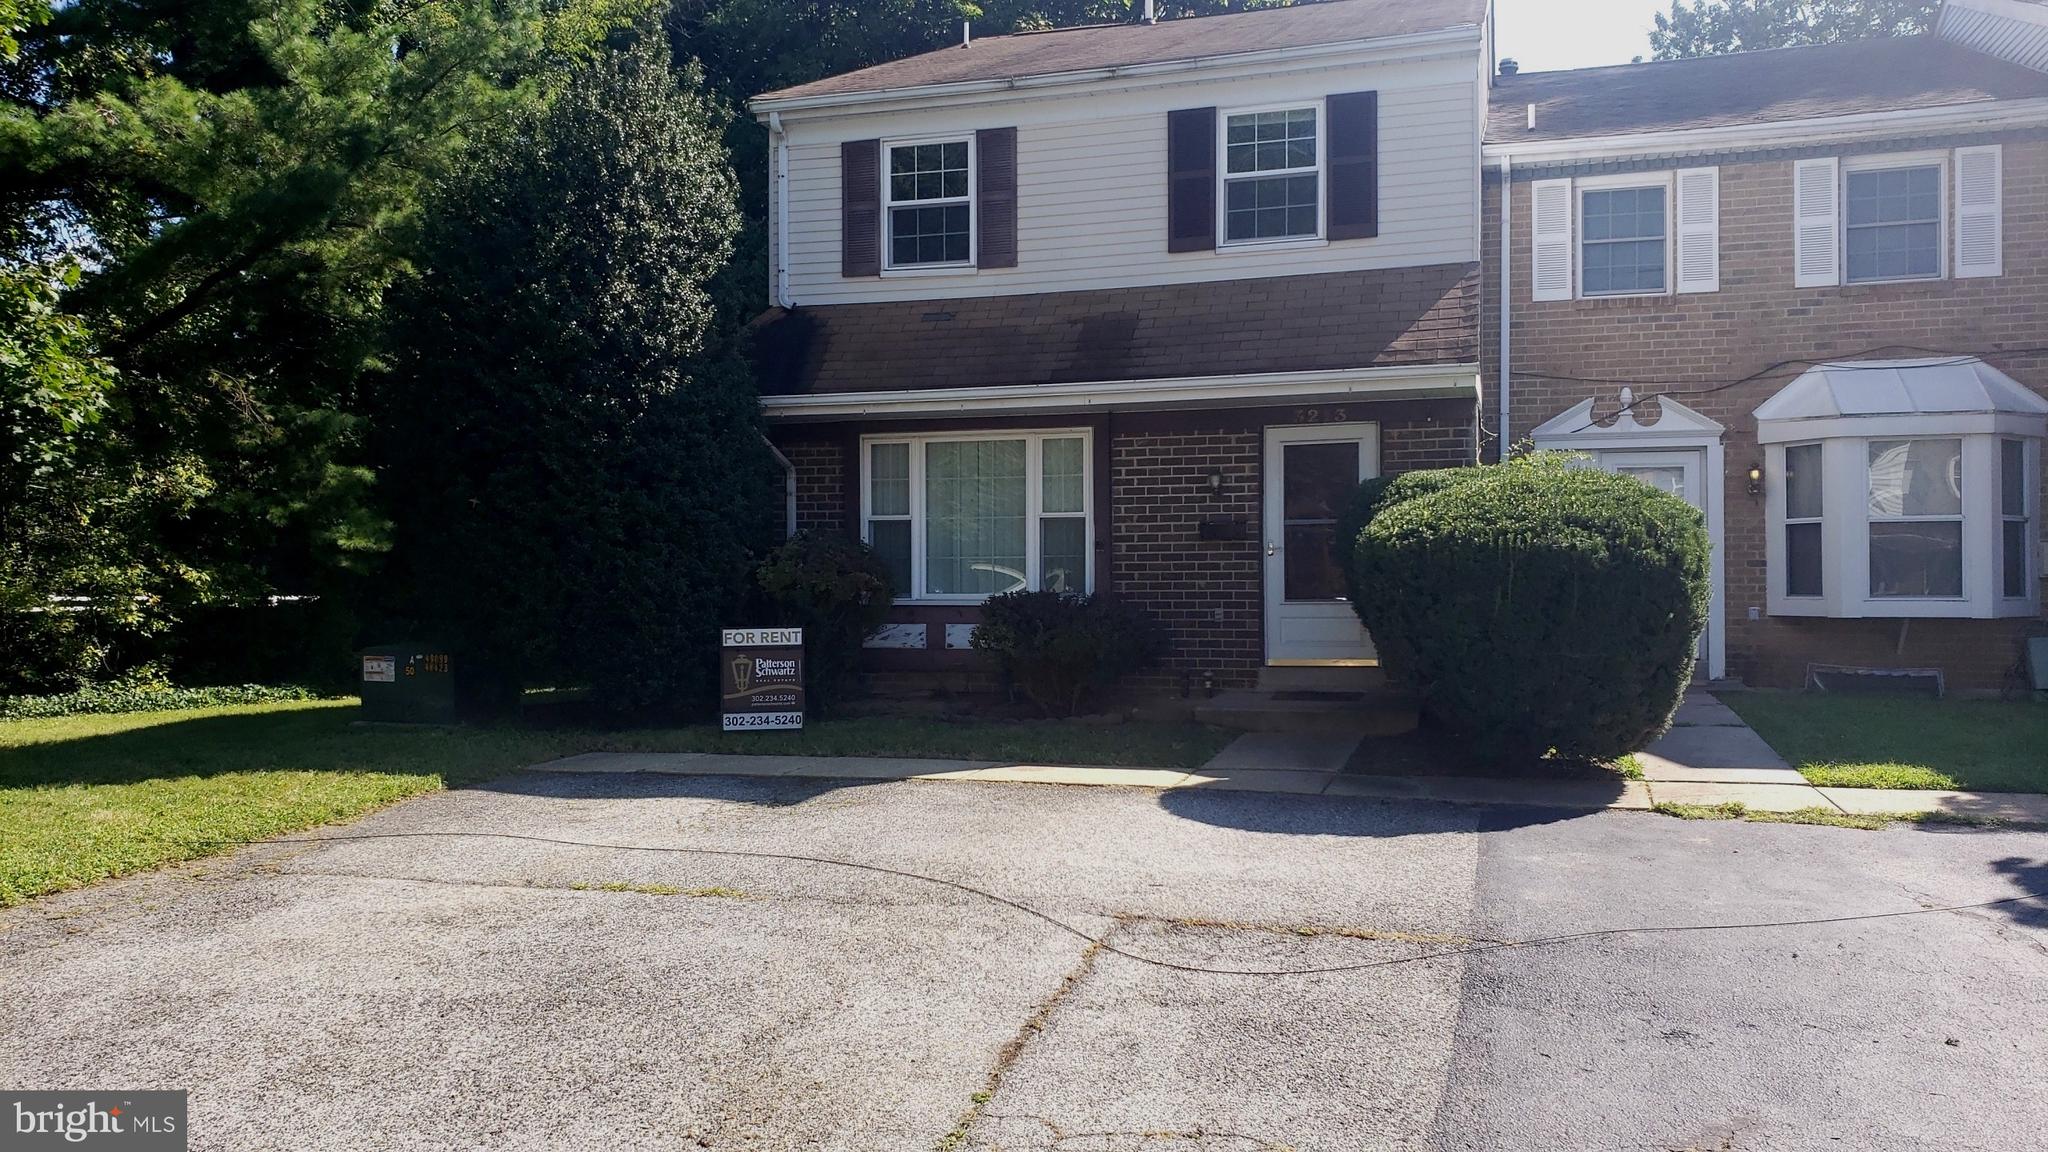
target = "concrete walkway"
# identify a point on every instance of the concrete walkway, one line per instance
(1709, 757)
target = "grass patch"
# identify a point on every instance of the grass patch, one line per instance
(1893, 742)
(1629, 767)
(86, 797)
(1828, 817)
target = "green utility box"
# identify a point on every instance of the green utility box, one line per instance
(408, 682)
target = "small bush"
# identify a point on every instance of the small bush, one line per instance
(1534, 605)
(143, 696)
(838, 592)
(1056, 647)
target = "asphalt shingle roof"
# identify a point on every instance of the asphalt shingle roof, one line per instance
(1118, 45)
(1753, 88)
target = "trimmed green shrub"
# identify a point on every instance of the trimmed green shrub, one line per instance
(1056, 647)
(836, 590)
(1534, 605)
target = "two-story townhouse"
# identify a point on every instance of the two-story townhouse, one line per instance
(1804, 289)
(1131, 308)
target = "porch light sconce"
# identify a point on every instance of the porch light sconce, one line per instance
(1756, 479)
(1214, 478)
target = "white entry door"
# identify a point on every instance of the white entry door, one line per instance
(1674, 470)
(1311, 472)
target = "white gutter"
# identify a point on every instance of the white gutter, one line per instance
(1507, 191)
(781, 137)
(788, 488)
(762, 105)
(1783, 133)
(1421, 381)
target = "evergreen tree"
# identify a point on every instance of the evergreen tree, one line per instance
(575, 469)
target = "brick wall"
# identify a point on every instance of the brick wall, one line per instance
(820, 483)
(1204, 593)
(1415, 445)
(1694, 346)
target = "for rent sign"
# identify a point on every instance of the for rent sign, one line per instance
(762, 675)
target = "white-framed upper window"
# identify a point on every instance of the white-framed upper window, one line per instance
(1894, 214)
(928, 203)
(1624, 236)
(1272, 174)
(2016, 537)
(958, 517)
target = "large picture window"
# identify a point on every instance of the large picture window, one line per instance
(958, 518)
(928, 196)
(1272, 175)
(1916, 517)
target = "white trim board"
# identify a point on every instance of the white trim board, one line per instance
(1403, 382)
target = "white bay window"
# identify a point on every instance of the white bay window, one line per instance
(1903, 489)
(960, 517)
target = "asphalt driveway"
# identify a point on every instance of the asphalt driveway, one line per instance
(552, 986)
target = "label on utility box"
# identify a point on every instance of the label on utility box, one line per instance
(380, 670)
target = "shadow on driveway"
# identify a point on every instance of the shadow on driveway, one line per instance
(2028, 876)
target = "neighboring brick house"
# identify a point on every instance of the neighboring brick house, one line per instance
(1130, 308)
(1818, 274)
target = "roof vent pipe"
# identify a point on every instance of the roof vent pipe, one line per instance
(1151, 17)
(1509, 66)
(966, 33)
(1532, 117)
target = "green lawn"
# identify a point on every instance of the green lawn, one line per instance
(1891, 742)
(87, 797)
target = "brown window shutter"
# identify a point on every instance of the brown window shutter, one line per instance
(860, 208)
(995, 198)
(1191, 180)
(1354, 143)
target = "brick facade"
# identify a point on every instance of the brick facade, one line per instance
(1208, 595)
(1696, 346)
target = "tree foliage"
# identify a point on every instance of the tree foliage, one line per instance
(575, 470)
(1712, 27)
(240, 182)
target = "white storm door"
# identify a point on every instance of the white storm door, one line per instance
(1311, 472)
(1677, 471)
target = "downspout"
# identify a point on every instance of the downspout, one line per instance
(1506, 313)
(781, 211)
(788, 487)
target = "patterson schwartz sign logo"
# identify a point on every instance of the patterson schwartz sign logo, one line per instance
(761, 674)
(120, 1121)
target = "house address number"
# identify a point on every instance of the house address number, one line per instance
(1322, 415)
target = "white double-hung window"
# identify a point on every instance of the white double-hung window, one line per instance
(1630, 234)
(960, 517)
(1903, 488)
(1272, 175)
(1624, 240)
(928, 203)
(1898, 217)
(1892, 219)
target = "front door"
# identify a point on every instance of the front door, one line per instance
(1311, 472)
(1673, 470)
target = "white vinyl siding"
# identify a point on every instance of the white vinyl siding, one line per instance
(1092, 180)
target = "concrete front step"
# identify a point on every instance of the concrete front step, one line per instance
(1320, 678)
(1377, 713)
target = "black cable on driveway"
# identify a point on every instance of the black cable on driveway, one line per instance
(1104, 945)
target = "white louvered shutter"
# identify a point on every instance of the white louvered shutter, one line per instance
(1816, 223)
(1550, 239)
(1699, 230)
(1979, 247)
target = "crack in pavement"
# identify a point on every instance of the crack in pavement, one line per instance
(1201, 1136)
(1014, 1047)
